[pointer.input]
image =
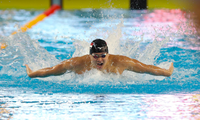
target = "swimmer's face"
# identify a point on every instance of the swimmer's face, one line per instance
(99, 59)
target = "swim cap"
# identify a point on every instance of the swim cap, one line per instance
(98, 45)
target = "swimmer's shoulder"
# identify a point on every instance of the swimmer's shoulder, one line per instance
(84, 57)
(79, 60)
(121, 60)
(118, 57)
(118, 60)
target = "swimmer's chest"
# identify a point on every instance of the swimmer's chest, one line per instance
(114, 69)
(108, 69)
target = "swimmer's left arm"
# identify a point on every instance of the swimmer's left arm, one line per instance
(139, 67)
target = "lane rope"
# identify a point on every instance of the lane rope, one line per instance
(38, 18)
(31, 23)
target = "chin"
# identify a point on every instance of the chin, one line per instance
(99, 67)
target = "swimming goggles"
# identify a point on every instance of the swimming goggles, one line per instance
(98, 56)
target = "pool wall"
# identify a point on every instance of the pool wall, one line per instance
(94, 4)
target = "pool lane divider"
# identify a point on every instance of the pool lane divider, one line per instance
(37, 19)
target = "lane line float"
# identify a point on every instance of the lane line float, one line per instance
(37, 19)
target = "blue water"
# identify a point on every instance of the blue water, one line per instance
(94, 95)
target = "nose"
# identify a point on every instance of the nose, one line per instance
(99, 59)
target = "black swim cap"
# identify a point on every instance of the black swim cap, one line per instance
(98, 45)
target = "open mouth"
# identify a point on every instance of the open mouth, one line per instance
(100, 64)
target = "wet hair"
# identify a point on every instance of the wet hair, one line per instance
(98, 45)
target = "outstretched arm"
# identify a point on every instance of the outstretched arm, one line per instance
(139, 67)
(45, 72)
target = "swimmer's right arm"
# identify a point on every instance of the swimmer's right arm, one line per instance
(45, 72)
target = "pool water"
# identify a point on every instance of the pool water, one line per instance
(156, 37)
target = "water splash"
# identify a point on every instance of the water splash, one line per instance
(23, 50)
(130, 48)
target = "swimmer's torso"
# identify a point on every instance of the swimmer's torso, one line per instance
(83, 64)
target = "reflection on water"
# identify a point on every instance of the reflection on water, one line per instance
(4, 112)
(195, 108)
(25, 103)
(170, 107)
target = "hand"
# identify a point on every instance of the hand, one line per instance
(28, 70)
(171, 68)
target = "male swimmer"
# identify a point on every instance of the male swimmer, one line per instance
(100, 59)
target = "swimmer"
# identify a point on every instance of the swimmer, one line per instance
(100, 59)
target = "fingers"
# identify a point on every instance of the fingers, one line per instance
(28, 70)
(171, 68)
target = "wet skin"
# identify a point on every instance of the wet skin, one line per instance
(110, 64)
